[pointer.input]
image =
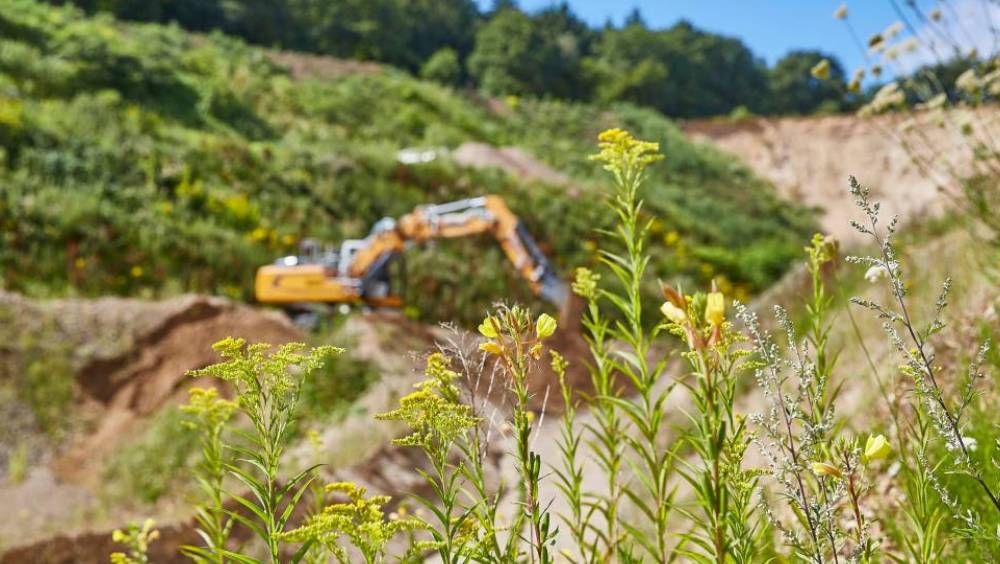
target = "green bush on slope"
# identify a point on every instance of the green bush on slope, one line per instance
(140, 160)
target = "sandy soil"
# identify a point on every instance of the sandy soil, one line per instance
(810, 159)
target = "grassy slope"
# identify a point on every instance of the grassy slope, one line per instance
(137, 159)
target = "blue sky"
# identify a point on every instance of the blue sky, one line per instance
(770, 28)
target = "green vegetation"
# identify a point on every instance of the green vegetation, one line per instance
(681, 71)
(139, 160)
(37, 368)
(155, 463)
(162, 458)
(828, 491)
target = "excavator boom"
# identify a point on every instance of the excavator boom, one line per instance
(357, 271)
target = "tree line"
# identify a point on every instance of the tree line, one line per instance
(681, 71)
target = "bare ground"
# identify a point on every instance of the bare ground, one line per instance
(809, 159)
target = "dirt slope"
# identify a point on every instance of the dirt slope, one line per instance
(809, 159)
(127, 359)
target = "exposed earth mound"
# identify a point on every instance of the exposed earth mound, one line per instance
(810, 158)
(115, 362)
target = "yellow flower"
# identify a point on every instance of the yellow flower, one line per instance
(623, 154)
(824, 469)
(487, 329)
(673, 313)
(821, 71)
(136, 271)
(545, 326)
(491, 347)
(877, 448)
(715, 309)
(585, 284)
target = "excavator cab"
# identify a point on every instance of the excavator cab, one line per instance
(319, 275)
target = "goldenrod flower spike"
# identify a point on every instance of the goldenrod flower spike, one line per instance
(715, 309)
(585, 284)
(623, 154)
(877, 448)
(824, 469)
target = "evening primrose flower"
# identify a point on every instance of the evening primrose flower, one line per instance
(877, 448)
(487, 328)
(491, 348)
(715, 309)
(673, 313)
(823, 469)
(545, 326)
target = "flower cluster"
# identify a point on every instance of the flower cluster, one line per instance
(254, 371)
(137, 539)
(625, 156)
(585, 284)
(434, 412)
(207, 408)
(361, 520)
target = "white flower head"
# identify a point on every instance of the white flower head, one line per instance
(969, 443)
(876, 273)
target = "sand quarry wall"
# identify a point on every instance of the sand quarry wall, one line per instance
(809, 159)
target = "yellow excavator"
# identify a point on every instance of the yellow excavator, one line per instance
(362, 271)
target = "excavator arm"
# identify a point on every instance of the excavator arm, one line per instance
(463, 218)
(347, 275)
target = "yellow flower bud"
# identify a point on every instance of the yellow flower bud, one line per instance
(486, 328)
(877, 448)
(824, 469)
(673, 313)
(491, 347)
(821, 71)
(545, 326)
(715, 309)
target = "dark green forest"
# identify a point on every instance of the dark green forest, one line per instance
(681, 71)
